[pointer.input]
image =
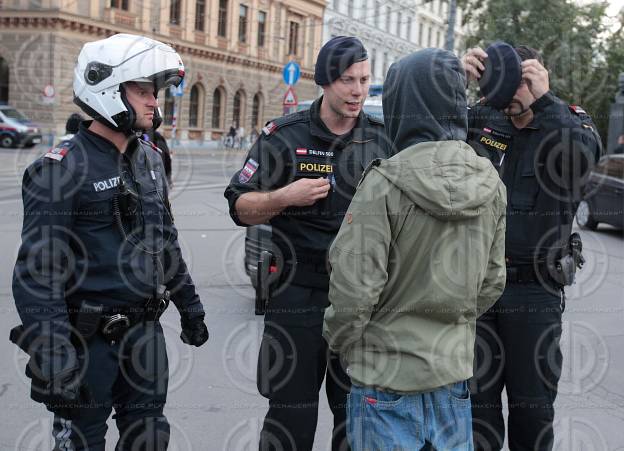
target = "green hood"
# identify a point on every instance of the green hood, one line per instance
(447, 179)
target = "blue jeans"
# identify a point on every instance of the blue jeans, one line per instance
(387, 421)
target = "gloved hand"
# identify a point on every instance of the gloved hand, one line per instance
(65, 391)
(194, 331)
(54, 369)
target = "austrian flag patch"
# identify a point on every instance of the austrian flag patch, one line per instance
(301, 151)
(58, 153)
(250, 168)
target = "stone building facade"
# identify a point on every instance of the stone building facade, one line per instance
(391, 29)
(233, 52)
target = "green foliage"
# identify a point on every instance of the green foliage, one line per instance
(583, 57)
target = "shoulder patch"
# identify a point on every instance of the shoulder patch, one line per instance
(155, 147)
(151, 145)
(376, 162)
(269, 128)
(57, 153)
(272, 126)
(577, 109)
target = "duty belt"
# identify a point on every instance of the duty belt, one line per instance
(530, 274)
(114, 327)
(114, 324)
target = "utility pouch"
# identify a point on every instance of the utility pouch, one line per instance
(87, 320)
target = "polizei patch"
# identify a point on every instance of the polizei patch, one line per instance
(104, 185)
(250, 168)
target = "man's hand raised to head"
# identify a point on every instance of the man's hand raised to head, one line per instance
(536, 77)
(472, 62)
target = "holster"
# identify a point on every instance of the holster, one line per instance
(263, 283)
(570, 262)
(156, 306)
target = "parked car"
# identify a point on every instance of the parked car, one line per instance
(258, 238)
(603, 201)
(16, 130)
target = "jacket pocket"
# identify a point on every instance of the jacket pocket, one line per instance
(526, 186)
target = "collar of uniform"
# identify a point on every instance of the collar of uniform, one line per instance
(104, 145)
(362, 132)
(99, 142)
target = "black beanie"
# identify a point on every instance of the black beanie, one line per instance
(336, 56)
(502, 76)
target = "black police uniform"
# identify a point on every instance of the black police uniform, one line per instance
(543, 168)
(73, 250)
(294, 357)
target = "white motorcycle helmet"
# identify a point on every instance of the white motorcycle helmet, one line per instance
(104, 65)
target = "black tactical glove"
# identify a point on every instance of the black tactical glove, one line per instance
(54, 369)
(194, 331)
(66, 391)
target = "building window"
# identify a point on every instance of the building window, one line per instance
(120, 4)
(242, 23)
(175, 10)
(169, 107)
(261, 28)
(238, 107)
(196, 106)
(388, 17)
(429, 36)
(440, 43)
(218, 102)
(377, 13)
(350, 8)
(409, 29)
(293, 38)
(200, 14)
(256, 111)
(222, 26)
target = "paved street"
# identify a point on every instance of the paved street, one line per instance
(213, 403)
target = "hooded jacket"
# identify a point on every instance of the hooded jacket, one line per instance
(420, 253)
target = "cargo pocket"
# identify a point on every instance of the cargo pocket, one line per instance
(526, 186)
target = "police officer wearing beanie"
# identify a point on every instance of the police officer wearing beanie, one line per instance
(299, 177)
(543, 149)
(100, 259)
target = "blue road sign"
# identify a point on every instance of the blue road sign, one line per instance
(291, 73)
(178, 91)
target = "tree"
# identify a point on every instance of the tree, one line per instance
(583, 57)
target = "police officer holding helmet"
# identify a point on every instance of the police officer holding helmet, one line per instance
(300, 176)
(100, 260)
(544, 150)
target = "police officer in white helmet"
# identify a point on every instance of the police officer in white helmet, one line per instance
(100, 261)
